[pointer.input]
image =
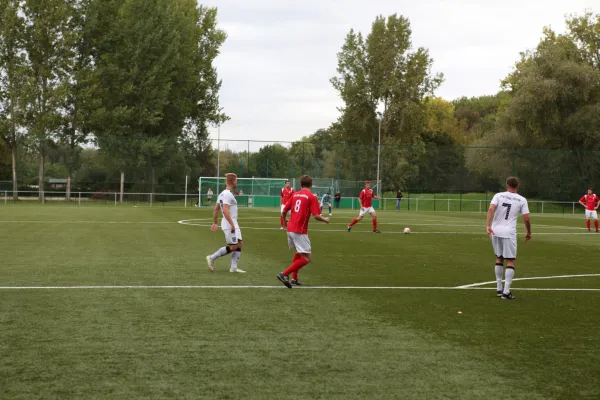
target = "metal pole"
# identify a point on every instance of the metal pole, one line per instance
(185, 197)
(79, 199)
(115, 199)
(218, 155)
(378, 156)
(5, 198)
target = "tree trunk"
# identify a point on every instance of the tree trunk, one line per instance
(122, 186)
(41, 177)
(15, 190)
(68, 197)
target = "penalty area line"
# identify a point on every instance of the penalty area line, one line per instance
(531, 278)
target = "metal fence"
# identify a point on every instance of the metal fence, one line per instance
(190, 200)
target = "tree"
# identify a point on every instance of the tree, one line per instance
(154, 78)
(553, 103)
(12, 68)
(478, 115)
(439, 119)
(271, 161)
(383, 69)
(48, 51)
(78, 102)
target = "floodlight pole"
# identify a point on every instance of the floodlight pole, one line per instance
(378, 157)
(218, 155)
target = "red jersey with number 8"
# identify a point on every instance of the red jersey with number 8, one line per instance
(302, 204)
(590, 201)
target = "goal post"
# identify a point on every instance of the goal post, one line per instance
(246, 187)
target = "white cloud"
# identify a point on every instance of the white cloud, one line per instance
(279, 55)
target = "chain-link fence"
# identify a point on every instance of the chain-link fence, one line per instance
(423, 169)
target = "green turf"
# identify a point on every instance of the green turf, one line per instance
(228, 343)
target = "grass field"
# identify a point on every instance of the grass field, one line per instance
(381, 315)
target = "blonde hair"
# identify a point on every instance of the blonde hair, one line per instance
(230, 178)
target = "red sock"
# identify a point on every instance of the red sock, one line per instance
(354, 222)
(587, 222)
(374, 224)
(596, 224)
(296, 265)
(297, 256)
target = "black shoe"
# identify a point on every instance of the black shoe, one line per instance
(349, 228)
(284, 279)
(499, 293)
(507, 296)
(296, 282)
(376, 231)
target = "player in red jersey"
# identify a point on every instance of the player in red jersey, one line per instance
(302, 205)
(591, 202)
(366, 206)
(286, 195)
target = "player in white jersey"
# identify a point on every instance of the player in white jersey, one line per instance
(502, 228)
(326, 199)
(227, 205)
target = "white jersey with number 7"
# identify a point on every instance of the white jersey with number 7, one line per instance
(508, 208)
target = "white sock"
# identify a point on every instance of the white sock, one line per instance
(235, 256)
(499, 270)
(510, 273)
(219, 253)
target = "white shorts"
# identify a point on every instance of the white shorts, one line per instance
(505, 247)
(233, 238)
(299, 241)
(282, 207)
(591, 214)
(366, 210)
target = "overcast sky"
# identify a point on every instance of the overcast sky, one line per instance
(279, 55)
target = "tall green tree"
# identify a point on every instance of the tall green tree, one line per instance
(48, 53)
(78, 101)
(154, 78)
(12, 73)
(383, 69)
(554, 103)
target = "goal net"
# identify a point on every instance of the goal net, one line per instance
(246, 187)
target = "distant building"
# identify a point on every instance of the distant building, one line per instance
(57, 183)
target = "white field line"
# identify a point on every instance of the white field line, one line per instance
(473, 285)
(131, 287)
(481, 232)
(86, 222)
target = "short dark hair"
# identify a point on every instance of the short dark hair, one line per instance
(591, 189)
(306, 181)
(512, 182)
(287, 181)
(367, 182)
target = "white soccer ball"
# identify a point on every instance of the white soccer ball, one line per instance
(407, 230)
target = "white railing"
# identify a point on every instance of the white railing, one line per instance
(412, 204)
(79, 198)
(473, 205)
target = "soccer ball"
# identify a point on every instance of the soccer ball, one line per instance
(406, 230)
